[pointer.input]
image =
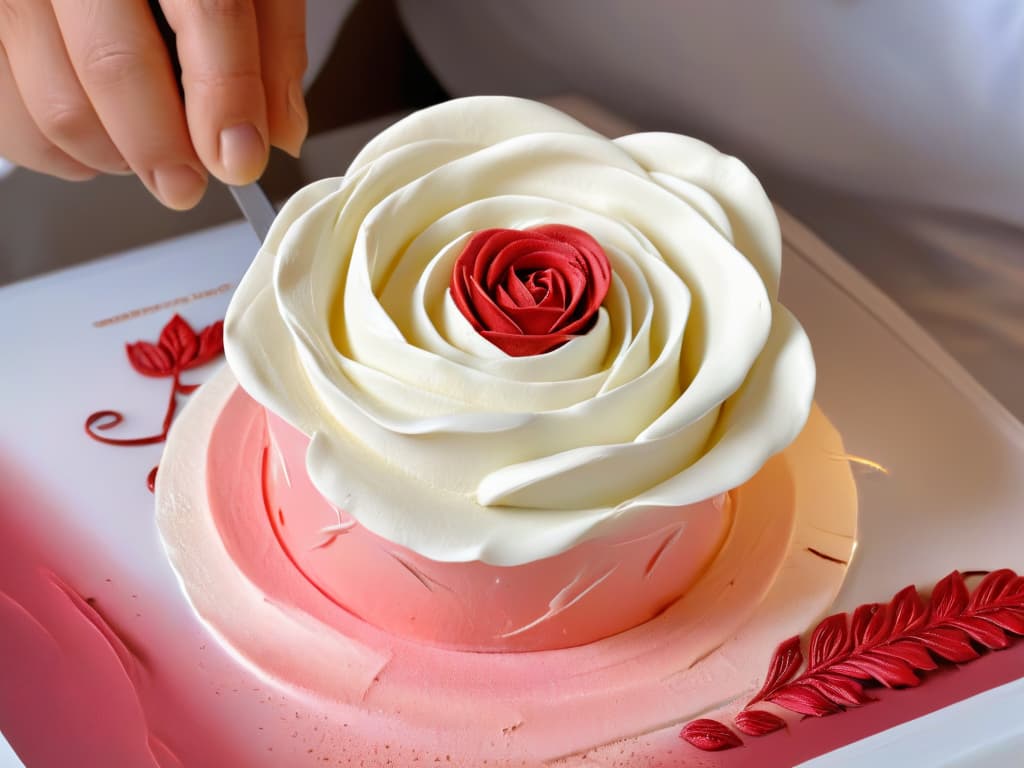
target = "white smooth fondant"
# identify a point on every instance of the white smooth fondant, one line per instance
(693, 376)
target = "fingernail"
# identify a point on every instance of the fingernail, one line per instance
(178, 186)
(242, 152)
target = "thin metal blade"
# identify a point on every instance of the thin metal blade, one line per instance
(255, 206)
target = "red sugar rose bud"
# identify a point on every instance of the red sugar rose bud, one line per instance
(530, 291)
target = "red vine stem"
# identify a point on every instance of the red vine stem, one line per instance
(106, 420)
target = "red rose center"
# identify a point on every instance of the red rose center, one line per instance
(529, 291)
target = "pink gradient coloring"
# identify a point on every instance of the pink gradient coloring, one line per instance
(594, 590)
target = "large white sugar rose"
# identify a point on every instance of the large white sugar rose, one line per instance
(690, 378)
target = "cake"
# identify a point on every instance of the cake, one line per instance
(497, 435)
(567, 486)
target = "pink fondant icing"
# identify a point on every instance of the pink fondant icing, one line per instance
(596, 589)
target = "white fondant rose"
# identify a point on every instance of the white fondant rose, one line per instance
(690, 378)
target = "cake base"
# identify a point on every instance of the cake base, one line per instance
(777, 572)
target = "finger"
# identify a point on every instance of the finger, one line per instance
(50, 89)
(23, 143)
(218, 45)
(282, 32)
(124, 68)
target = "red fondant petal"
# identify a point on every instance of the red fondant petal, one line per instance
(180, 341)
(149, 359)
(949, 598)
(992, 587)
(804, 700)
(756, 722)
(709, 735)
(211, 344)
(829, 640)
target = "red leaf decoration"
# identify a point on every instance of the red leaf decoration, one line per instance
(178, 349)
(888, 644)
(804, 699)
(784, 664)
(949, 598)
(907, 611)
(947, 643)
(911, 651)
(710, 735)
(756, 722)
(994, 586)
(211, 344)
(149, 359)
(982, 632)
(841, 690)
(879, 627)
(829, 640)
(860, 621)
(1010, 619)
(180, 341)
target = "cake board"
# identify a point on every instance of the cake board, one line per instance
(90, 603)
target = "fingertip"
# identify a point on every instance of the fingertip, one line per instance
(179, 187)
(243, 153)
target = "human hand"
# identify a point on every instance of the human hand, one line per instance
(86, 87)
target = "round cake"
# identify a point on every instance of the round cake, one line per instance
(512, 370)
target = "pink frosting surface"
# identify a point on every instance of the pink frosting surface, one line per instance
(594, 590)
(421, 701)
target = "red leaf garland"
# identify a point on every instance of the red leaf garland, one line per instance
(881, 644)
(710, 735)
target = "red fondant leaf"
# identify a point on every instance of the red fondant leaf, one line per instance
(890, 672)
(860, 621)
(981, 631)
(879, 627)
(888, 644)
(912, 652)
(908, 611)
(829, 640)
(783, 666)
(947, 643)
(211, 344)
(180, 341)
(841, 690)
(149, 359)
(949, 598)
(1010, 619)
(710, 735)
(803, 699)
(994, 586)
(756, 722)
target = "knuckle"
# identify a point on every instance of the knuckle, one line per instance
(223, 80)
(109, 63)
(225, 9)
(66, 122)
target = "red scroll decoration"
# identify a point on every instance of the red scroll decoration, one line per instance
(881, 644)
(530, 291)
(178, 349)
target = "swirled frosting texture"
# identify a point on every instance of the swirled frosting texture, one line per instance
(690, 377)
